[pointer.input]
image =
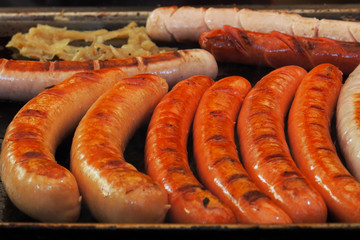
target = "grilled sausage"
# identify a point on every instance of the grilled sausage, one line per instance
(216, 155)
(277, 49)
(312, 147)
(114, 190)
(166, 156)
(34, 182)
(347, 124)
(186, 24)
(264, 149)
(22, 80)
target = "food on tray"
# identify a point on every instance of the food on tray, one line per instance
(347, 122)
(277, 49)
(311, 143)
(264, 150)
(216, 155)
(33, 180)
(187, 23)
(21, 80)
(113, 189)
(46, 43)
(166, 156)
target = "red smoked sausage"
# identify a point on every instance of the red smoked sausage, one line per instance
(264, 149)
(312, 147)
(166, 156)
(216, 155)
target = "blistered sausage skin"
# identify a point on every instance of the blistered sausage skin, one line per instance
(186, 24)
(113, 189)
(166, 156)
(347, 122)
(33, 180)
(276, 49)
(264, 150)
(311, 143)
(216, 155)
(21, 80)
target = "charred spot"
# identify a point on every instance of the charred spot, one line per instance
(235, 177)
(168, 56)
(34, 155)
(274, 157)
(317, 107)
(216, 138)
(297, 45)
(317, 89)
(112, 164)
(216, 113)
(169, 149)
(252, 196)
(265, 136)
(290, 174)
(177, 170)
(190, 188)
(342, 176)
(32, 113)
(206, 201)
(223, 159)
(23, 135)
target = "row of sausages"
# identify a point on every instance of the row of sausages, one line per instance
(262, 184)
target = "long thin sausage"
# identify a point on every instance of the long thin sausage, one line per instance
(166, 156)
(347, 122)
(34, 182)
(22, 80)
(114, 190)
(216, 155)
(186, 24)
(312, 147)
(264, 149)
(277, 49)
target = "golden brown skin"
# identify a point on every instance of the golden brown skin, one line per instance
(166, 157)
(113, 189)
(216, 155)
(33, 180)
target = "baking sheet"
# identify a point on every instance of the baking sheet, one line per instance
(16, 224)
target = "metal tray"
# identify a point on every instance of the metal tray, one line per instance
(14, 224)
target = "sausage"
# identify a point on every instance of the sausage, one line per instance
(264, 150)
(186, 24)
(34, 182)
(347, 124)
(276, 49)
(22, 80)
(166, 156)
(113, 189)
(311, 143)
(216, 155)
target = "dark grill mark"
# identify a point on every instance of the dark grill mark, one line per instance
(216, 138)
(32, 113)
(254, 195)
(325, 149)
(223, 159)
(234, 177)
(317, 107)
(34, 155)
(265, 136)
(206, 201)
(190, 188)
(274, 157)
(177, 170)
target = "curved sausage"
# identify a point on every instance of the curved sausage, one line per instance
(277, 49)
(266, 155)
(216, 155)
(34, 182)
(186, 24)
(347, 123)
(312, 147)
(22, 80)
(113, 189)
(166, 156)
